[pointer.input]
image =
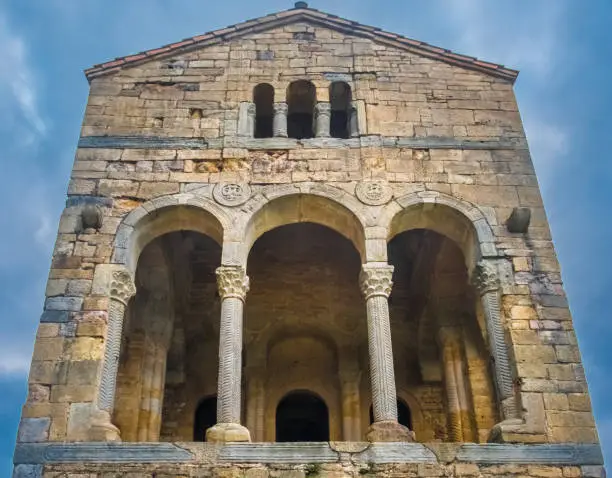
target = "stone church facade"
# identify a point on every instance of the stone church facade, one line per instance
(301, 246)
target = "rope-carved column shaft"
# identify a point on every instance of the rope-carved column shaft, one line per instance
(121, 290)
(233, 285)
(451, 384)
(322, 120)
(486, 281)
(279, 123)
(376, 286)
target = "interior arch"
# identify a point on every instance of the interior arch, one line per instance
(302, 416)
(299, 208)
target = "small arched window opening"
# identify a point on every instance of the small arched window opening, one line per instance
(404, 416)
(302, 417)
(340, 98)
(301, 99)
(263, 97)
(205, 417)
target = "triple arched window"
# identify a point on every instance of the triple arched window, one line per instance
(303, 117)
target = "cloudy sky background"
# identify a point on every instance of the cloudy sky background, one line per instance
(562, 47)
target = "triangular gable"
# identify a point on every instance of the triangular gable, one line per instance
(315, 17)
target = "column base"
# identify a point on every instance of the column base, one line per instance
(515, 430)
(389, 431)
(228, 432)
(102, 428)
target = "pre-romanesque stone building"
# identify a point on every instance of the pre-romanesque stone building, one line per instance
(301, 246)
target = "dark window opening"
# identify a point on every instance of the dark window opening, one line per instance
(205, 417)
(302, 417)
(301, 99)
(404, 416)
(263, 97)
(340, 99)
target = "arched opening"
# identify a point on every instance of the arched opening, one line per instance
(439, 351)
(301, 100)
(303, 208)
(171, 339)
(205, 417)
(304, 322)
(340, 98)
(302, 417)
(404, 415)
(263, 97)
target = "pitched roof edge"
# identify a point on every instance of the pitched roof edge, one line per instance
(287, 16)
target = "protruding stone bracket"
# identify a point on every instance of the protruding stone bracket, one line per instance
(519, 220)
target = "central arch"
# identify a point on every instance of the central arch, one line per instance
(302, 416)
(312, 207)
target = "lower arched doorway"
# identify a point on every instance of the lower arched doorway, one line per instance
(205, 417)
(302, 417)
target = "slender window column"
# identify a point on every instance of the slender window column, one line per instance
(486, 280)
(376, 283)
(251, 112)
(279, 124)
(122, 289)
(233, 285)
(353, 122)
(322, 120)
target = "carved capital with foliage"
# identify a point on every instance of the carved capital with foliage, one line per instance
(485, 277)
(122, 286)
(376, 280)
(232, 282)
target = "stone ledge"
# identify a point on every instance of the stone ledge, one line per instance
(298, 453)
(160, 142)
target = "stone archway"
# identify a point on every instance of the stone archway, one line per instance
(302, 416)
(468, 228)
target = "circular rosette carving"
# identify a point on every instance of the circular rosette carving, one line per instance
(374, 193)
(232, 194)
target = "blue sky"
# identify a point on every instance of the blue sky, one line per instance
(562, 47)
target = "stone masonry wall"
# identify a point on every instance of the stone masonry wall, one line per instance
(425, 127)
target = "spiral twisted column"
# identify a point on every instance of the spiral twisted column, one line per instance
(233, 285)
(121, 290)
(486, 281)
(376, 283)
(449, 341)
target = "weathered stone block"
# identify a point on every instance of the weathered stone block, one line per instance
(33, 430)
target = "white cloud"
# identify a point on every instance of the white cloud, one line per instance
(14, 364)
(522, 35)
(17, 82)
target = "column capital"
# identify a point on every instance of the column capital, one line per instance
(376, 280)
(323, 108)
(280, 108)
(485, 277)
(122, 286)
(251, 109)
(232, 281)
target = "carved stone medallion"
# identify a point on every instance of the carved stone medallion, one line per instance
(374, 193)
(232, 194)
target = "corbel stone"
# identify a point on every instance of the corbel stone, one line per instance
(519, 220)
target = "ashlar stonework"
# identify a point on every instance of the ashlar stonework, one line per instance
(301, 246)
